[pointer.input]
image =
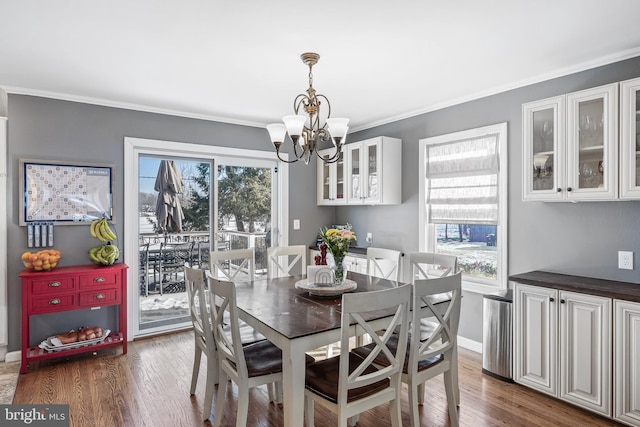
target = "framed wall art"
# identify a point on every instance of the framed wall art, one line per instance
(65, 192)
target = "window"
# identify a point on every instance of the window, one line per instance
(463, 202)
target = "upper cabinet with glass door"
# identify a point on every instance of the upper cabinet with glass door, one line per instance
(573, 154)
(374, 175)
(544, 149)
(592, 144)
(630, 139)
(331, 179)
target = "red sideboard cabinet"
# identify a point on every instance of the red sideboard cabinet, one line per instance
(73, 288)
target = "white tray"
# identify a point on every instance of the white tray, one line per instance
(326, 291)
(50, 345)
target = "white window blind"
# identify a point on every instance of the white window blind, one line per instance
(463, 181)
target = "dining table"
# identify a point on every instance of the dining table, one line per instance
(298, 322)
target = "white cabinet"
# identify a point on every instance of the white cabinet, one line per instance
(627, 362)
(630, 139)
(331, 179)
(374, 171)
(563, 345)
(570, 146)
(536, 338)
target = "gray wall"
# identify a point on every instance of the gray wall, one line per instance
(581, 238)
(40, 128)
(572, 238)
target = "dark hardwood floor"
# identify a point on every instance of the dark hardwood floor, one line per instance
(149, 386)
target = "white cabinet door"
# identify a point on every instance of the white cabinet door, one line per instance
(630, 139)
(374, 171)
(331, 179)
(627, 362)
(592, 144)
(585, 351)
(570, 146)
(535, 338)
(543, 160)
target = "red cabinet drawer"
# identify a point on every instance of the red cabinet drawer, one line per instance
(100, 297)
(54, 302)
(99, 278)
(52, 285)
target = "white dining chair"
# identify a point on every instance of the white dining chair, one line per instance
(285, 261)
(429, 265)
(349, 384)
(236, 265)
(435, 355)
(247, 365)
(384, 263)
(203, 334)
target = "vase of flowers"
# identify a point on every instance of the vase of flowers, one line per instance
(338, 242)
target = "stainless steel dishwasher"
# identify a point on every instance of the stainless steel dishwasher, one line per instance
(497, 341)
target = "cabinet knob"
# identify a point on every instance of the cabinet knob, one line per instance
(99, 296)
(559, 189)
(54, 301)
(568, 188)
(54, 284)
(552, 299)
(99, 279)
(562, 301)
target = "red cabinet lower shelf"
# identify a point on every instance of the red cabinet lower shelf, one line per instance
(73, 288)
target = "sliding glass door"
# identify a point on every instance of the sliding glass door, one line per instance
(187, 203)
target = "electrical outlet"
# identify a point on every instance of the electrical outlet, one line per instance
(625, 260)
(296, 224)
(369, 238)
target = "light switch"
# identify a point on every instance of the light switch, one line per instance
(296, 224)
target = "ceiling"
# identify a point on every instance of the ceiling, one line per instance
(239, 61)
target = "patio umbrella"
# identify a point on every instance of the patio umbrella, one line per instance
(168, 209)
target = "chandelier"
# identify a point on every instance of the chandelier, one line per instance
(304, 127)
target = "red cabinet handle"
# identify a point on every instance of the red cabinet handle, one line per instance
(99, 279)
(54, 301)
(54, 284)
(99, 296)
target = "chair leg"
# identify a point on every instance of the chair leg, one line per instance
(414, 416)
(196, 369)
(421, 394)
(222, 390)
(243, 405)
(451, 397)
(454, 374)
(279, 393)
(396, 413)
(308, 411)
(212, 380)
(353, 421)
(271, 392)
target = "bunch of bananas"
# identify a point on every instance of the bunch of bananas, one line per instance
(101, 230)
(104, 255)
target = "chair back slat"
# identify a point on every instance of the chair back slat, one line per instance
(384, 263)
(223, 300)
(429, 265)
(281, 260)
(234, 265)
(196, 295)
(360, 307)
(443, 339)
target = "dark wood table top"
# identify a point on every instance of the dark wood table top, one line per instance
(293, 312)
(586, 285)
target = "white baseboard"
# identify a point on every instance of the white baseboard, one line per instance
(470, 344)
(13, 356)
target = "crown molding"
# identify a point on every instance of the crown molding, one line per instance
(598, 62)
(14, 90)
(604, 60)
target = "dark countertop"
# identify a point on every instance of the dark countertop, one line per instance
(354, 250)
(586, 285)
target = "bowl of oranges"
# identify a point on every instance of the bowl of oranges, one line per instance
(44, 260)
